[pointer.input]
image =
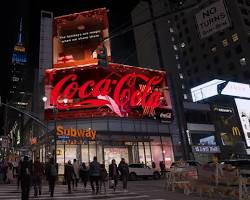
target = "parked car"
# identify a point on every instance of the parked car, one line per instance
(242, 164)
(141, 170)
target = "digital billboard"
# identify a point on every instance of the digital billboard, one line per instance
(119, 90)
(227, 125)
(243, 106)
(77, 36)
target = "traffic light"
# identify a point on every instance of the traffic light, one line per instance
(102, 56)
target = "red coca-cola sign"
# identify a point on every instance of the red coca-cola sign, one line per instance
(120, 90)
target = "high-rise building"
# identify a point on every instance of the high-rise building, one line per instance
(19, 70)
(195, 41)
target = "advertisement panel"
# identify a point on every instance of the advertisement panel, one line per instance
(227, 125)
(212, 19)
(243, 106)
(119, 90)
(77, 36)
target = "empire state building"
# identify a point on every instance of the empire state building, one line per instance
(19, 68)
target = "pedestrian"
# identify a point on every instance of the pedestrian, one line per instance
(124, 170)
(153, 165)
(25, 173)
(19, 174)
(103, 178)
(84, 175)
(76, 170)
(51, 174)
(9, 174)
(163, 168)
(38, 172)
(94, 172)
(69, 175)
(113, 174)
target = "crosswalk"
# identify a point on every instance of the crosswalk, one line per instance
(10, 192)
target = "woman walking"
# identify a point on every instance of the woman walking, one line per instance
(84, 175)
(113, 174)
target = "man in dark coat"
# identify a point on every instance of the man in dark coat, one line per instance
(113, 174)
(25, 175)
(51, 173)
(94, 172)
(124, 170)
(69, 174)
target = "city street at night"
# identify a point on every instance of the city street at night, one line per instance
(152, 94)
(137, 190)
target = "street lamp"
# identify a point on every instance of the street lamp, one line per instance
(55, 124)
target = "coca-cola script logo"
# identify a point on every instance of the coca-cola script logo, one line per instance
(114, 93)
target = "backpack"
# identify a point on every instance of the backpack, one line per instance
(53, 170)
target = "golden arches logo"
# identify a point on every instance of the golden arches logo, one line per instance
(235, 131)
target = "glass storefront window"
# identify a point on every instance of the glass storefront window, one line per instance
(60, 158)
(70, 153)
(141, 152)
(92, 150)
(85, 155)
(203, 139)
(148, 153)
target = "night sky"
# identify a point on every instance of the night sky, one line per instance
(12, 11)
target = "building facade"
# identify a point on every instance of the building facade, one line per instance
(135, 133)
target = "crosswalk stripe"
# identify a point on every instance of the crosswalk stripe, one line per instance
(133, 197)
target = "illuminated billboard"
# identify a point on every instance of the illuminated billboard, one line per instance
(119, 90)
(227, 125)
(77, 36)
(243, 106)
(234, 89)
(205, 90)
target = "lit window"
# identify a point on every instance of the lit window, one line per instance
(172, 38)
(181, 75)
(176, 57)
(11, 92)
(243, 62)
(178, 66)
(225, 42)
(169, 21)
(183, 44)
(183, 86)
(175, 47)
(185, 96)
(235, 37)
(171, 30)
(15, 78)
(213, 49)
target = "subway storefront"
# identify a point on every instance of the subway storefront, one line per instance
(121, 111)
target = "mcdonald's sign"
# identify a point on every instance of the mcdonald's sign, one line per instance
(235, 131)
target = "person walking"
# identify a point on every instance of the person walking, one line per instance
(25, 175)
(124, 170)
(76, 178)
(69, 175)
(113, 174)
(51, 174)
(84, 175)
(94, 171)
(9, 174)
(38, 172)
(103, 178)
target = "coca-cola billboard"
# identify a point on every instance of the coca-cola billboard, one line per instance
(119, 90)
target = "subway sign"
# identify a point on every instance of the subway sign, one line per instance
(119, 90)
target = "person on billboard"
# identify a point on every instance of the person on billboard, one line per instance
(124, 171)
(113, 174)
(94, 172)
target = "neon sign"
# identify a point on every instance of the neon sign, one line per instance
(123, 91)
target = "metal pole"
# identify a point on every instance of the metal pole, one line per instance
(55, 120)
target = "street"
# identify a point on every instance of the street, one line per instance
(143, 189)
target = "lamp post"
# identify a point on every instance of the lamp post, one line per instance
(55, 124)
